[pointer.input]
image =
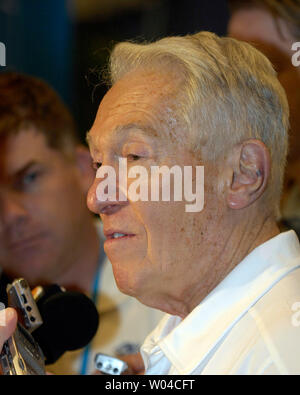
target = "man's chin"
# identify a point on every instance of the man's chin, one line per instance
(125, 287)
(130, 282)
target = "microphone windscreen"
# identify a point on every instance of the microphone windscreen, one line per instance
(70, 321)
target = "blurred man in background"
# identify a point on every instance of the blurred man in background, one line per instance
(273, 26)
(47, 234)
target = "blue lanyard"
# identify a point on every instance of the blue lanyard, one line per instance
(95, 296)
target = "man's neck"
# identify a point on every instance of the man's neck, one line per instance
(240, 242)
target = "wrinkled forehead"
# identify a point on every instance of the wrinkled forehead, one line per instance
(143, 101)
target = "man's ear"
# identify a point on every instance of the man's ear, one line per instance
(84, 165)
(250, 171)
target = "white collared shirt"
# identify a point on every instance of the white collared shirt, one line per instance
(249, 324)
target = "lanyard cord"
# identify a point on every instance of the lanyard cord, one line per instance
(95, 297)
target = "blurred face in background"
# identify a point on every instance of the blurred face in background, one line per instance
(42, 208)
(274, 38)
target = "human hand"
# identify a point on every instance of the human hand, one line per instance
(135, 363)
(8, 322)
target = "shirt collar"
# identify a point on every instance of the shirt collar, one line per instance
(211, 320)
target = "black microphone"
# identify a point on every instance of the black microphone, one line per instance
(70, 321)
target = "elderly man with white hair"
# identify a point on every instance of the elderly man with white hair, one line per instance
(226, 277)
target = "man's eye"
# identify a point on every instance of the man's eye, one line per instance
(30, 178)
(133, 157)
(96, 165)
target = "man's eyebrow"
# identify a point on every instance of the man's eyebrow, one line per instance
(22, 170)
(145, 129)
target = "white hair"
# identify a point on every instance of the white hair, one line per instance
(227, 92)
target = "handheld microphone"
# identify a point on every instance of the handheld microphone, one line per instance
(70, 321)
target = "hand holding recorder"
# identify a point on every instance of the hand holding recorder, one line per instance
(20, 354)
(50, 321)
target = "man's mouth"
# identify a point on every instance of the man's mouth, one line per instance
(118, 235)
(113, 235)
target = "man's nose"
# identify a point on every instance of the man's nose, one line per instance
(100, 201)
(12, 210)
